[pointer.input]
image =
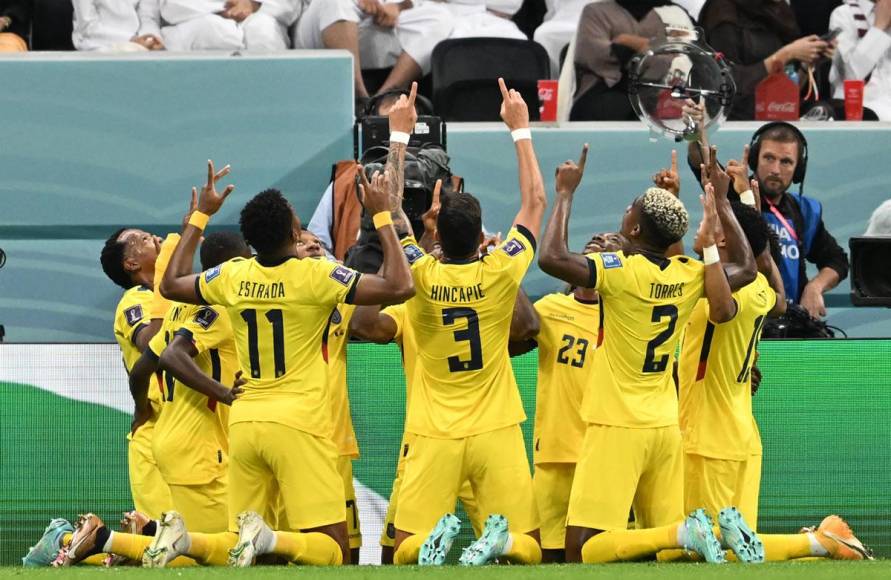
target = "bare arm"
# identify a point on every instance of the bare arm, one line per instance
(533, 199)
(524, 324)
(178, 360)
(140, 376)
(721, 304)
(144, 336)
(179, 283)
(554, 257)
(368, 323)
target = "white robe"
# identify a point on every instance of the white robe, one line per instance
(559, 29)
(111, 24)
(195, 25)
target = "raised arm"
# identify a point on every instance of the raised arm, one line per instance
(368, 323)
(178, 360)
(428, 238)
(740, 267)
(554, 257)
(395, 284)
(179, 283)
(524, 324)
(721, 304)
(533, 199)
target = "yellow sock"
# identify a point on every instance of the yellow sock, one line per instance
(623, 545)
(129, 545)
(409, 550)
(313, 548)
(94, 560)
(677, 555)
(779, 547)
(212, 549)
(523, 550)
(66, 538)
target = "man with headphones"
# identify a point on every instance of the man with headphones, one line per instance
(777, 157)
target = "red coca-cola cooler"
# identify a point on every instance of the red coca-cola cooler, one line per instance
(777, 99)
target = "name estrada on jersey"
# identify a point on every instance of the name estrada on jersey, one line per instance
(191, 441)
(715, 376)
(463, 381)
(566, 342)
(279, 313)
(644, 302)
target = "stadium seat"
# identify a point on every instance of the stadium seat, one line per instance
(465, 69)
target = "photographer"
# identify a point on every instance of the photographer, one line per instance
(777, 157)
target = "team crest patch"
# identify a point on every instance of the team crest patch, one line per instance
(610, 260)
(513, 247)
(343, 275)
(133, 314)
(206, 317)
(412, 253)
(212, 273)
(336, 318)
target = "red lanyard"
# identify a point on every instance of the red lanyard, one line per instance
(782, 219)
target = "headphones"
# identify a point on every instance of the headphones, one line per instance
(755, 148)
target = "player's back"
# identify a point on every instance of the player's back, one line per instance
(191, 436)
(279, 313)
(460, 316)
(644, 303)
(714, 375)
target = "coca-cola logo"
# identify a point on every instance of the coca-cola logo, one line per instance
(777, 107)
(545, 94)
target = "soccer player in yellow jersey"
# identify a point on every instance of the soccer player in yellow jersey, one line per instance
(195, 348)
(465, 408)
(631, 454)
(128, 259)
(280, 428)
(566, 341)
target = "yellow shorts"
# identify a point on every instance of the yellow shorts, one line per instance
(620, 468)
(272, 465)
(714, 484)
(151, 495)
(345, 469)
(552, 483)
(465, 496)
(495, 464)
(205, 507)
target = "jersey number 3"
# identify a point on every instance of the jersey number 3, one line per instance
(652, 364)
(471, 334)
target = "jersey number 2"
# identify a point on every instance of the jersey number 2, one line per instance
(651, 363)
(470, 334)
(275, 318)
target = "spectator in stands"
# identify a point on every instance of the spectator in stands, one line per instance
(880, 221)
(380, 34)
(556, 32)
(15, 21)
(758, 37)
(117, 25)
(225, 24)
(864, 52)
(610, 33)
(473, 18)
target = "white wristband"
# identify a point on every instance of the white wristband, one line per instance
(399, 137)
(710, 255)
(747, 198)
(518, 134)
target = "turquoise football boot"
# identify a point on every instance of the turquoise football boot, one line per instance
(47, 547)
(437, 545)
(701, 537)
(739, 537)
(490, 544)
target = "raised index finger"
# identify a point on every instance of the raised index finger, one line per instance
(210, 172)
(745, 157)
(436, 189)
(584, 158)
(674, 160)
(412, 94)
(504, 94)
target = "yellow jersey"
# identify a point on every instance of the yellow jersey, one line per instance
(463, 383)
(191, 442)
(279, 313)
(335, 347)
(715, 376)
(644, 304)
(566, 343)
(130, 318)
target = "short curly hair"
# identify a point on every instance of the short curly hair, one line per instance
(663, 217)
(220, 247)
(112, 260)
(267, 221)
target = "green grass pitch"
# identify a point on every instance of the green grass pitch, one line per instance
(786, 570)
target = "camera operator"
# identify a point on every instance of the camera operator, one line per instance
(777, 157)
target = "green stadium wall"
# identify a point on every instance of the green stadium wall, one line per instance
(824, 410)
